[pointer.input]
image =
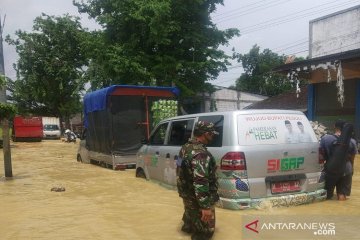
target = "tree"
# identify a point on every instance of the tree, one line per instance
(161, 42)
(49, 68)
(258, 76)
(7, 111)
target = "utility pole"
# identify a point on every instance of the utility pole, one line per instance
(4, 122)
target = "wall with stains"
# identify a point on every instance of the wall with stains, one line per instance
(335, 33)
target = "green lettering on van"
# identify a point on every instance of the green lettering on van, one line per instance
(270, 135)
(265, 135)
(291, 163)
(257, 136)
(284, 164)
(300, 161)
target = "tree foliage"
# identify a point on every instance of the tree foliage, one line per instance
(258, 76)
(2, 80)
(49, 68)
(160, 42)
(7, 111)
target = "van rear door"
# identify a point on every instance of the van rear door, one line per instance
(280, 149)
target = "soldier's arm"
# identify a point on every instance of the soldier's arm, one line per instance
(201, 179)
(352, 157)
(353, 153)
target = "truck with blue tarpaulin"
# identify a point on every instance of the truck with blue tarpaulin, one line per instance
(116, 120)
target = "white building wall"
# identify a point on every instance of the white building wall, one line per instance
(335, 33)
(226, 99)
(229, 100)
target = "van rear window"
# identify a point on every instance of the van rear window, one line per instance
(257, 129)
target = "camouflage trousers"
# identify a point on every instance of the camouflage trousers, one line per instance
(192, 221)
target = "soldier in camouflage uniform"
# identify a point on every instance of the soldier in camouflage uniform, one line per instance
(197, 183)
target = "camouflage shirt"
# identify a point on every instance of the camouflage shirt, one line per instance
(197, 176)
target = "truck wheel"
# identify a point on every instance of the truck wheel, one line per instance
(79, 159)
(140, 173)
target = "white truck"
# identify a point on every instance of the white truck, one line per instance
(51, 128)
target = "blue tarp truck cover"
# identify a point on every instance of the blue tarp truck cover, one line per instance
(117, 118)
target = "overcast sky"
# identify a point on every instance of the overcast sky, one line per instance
(280, 25)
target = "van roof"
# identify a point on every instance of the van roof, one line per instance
(250, 111)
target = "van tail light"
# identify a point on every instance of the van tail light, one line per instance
(321, 155)
(233, 161)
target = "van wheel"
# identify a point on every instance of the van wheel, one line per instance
(140, 173)
(79, 159)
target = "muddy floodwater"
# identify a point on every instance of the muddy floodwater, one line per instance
(99, 203)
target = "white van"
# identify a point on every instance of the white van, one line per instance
(51, 131)
(51, 127)
(262, 156)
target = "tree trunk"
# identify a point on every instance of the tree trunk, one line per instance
(6, 148)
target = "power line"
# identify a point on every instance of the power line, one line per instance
(298, 51)
(234, 10)
(287, 18)
(305, 50)
(292, 46)
(299, 43)
(300, 48)
(256, 9)
(289, 44)
(231, 17)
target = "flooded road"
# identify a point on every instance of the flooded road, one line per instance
(104, 204)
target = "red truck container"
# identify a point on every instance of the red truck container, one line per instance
(27, 129)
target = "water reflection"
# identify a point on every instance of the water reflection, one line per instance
(99, 203)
